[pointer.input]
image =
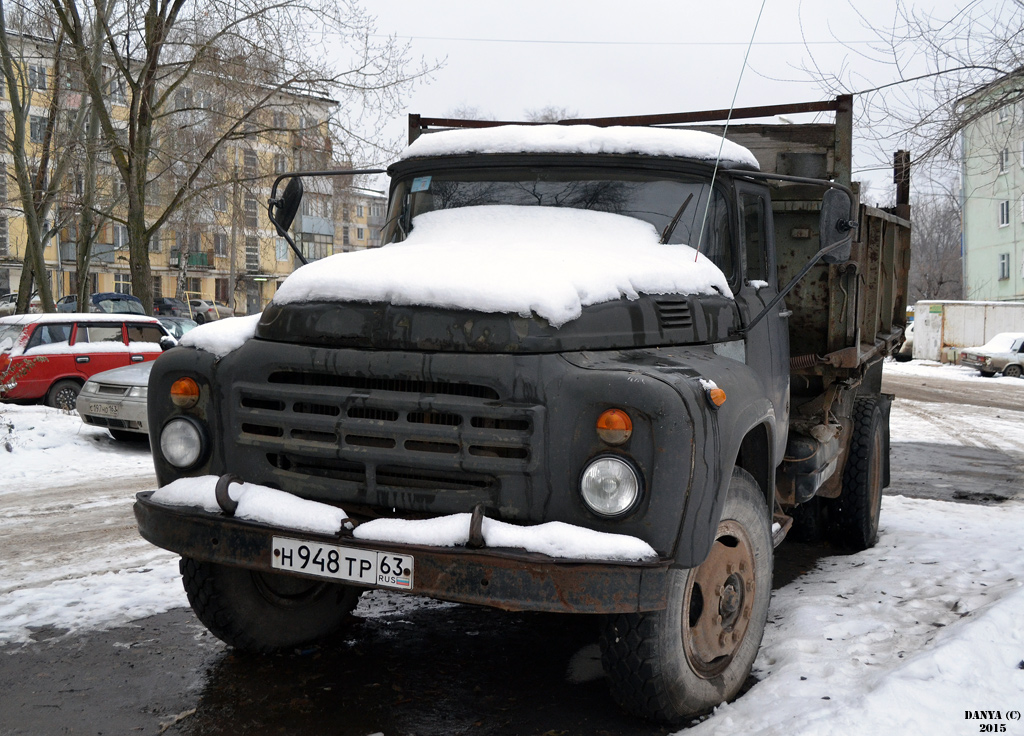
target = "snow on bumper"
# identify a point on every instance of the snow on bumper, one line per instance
(548, 567)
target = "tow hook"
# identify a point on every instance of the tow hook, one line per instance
(227, 504)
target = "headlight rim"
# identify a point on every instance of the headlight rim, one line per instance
(202, 437)
(637, 475)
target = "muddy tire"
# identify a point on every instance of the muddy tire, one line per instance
(670, 665)
(63, 394)
(808, 522)
(1012, 371)
(853, 517)
(264, 612)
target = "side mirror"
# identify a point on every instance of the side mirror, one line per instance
(167, 342)
(285, 208)
(835, 226)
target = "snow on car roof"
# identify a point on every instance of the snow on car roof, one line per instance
(27, 319)
(582, 139)
(1000, 343)
(550, 261)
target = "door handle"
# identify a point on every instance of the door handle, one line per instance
(138, 358)
(82, 359)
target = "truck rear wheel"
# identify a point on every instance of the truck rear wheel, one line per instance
(854, 516)
(264, 612)
(681, 662)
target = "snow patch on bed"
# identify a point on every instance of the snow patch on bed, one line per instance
(500, 258)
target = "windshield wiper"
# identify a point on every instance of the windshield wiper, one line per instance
(670, 228)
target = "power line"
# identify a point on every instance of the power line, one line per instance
(619, 43)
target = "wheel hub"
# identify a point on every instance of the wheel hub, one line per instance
(718, 602)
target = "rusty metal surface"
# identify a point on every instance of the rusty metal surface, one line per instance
(507, 579)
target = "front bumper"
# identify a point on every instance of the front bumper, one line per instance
(501, 578)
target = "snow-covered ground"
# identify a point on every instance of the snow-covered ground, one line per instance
(903, 638)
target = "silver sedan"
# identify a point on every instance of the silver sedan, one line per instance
(117, 400)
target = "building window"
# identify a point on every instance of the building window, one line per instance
(252, 254)
(1004, 160)
(359, 210)
(120, 237)
(315, 246)
(220, 290)
(359, 233)
(250, 162)
(37, 76)
(194, 285)
(220, 202)
(344, 236)
(1004, 213)
(220, 245)
(154, 243)
(280, 121)
(280, 162)
(251, 213)
(1004, 266)
(3, 235)
(281, 249)
(1004, 113)
(158, 288)
(36, 128)
(122, 283)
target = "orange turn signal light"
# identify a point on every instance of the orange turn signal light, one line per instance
(185, 393)
(716, 396)
(614, 426)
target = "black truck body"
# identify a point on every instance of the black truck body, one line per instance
(406, 411)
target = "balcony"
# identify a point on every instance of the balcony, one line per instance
(202, 259)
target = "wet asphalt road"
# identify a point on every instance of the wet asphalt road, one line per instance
(435, 670)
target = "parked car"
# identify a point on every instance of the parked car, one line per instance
(177, 326)
(49, 356)
(170, 307)
(9, 304)
(1004, 352)
(109, 302)
(116, 400)
(208, 311)
(906, 351)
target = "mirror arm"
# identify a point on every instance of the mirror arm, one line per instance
(274, 200)
(789, 287)
(799, 180)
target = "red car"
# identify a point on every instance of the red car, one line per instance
(50, 356)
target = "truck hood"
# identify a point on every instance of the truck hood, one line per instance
(546, 262)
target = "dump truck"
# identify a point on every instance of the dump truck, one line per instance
(599, 367)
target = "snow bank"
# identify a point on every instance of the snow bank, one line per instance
(223, 336)
(582, 139)
(501, 258)
(269, 506)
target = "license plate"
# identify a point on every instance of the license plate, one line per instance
(107, 410)
(385, 569)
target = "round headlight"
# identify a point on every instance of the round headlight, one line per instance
(609, 486)
(181, 443)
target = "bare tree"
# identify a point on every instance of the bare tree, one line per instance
(936, 270)
(42, 146)
(211, 73)
(550, 114)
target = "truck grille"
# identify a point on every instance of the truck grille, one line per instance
(394, 432)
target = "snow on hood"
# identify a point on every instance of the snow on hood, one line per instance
(582, 139)
(501, 258)
(222, 336)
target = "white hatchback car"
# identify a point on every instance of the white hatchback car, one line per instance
(1004, 352)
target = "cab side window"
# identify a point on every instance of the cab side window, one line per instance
(49, 335)
(752, 212)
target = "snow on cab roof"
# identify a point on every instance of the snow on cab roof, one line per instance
(549, 261)
(584, 139)
(27, 319)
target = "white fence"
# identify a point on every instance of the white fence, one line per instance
(942, 328)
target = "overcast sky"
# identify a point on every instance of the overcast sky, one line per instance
(603, 58)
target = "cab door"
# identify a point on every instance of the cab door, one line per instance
(767, 341)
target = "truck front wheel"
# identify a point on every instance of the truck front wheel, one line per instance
(681, 662)
(264, 612)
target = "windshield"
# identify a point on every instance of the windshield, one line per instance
(121, 306)
(652, 197)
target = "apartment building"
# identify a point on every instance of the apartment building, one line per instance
(992, 205)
